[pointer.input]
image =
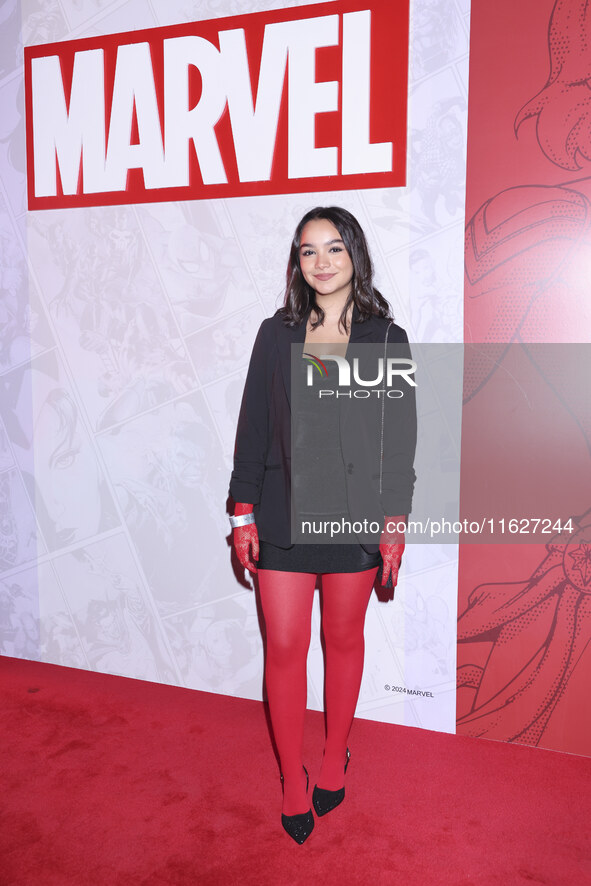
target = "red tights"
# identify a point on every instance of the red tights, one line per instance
(286, 599)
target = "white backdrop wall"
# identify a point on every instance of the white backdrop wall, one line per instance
(125, 335)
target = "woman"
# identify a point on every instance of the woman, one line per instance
(330, 301)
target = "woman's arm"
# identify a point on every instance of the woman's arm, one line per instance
(399, 440)
(251, 448)
(392, 548)
(252, 432)
(397, 468)
(246, 538)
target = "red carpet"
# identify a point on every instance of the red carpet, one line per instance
(117, 782)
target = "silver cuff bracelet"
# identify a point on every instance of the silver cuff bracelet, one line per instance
(243, 520)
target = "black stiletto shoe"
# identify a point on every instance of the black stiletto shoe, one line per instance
(325, 801)
(300, 826)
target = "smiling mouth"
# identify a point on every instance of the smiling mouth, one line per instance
(324, 276)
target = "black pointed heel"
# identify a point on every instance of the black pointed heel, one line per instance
(325, 801)
(300, 826)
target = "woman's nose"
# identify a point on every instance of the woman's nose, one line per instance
(322, 260)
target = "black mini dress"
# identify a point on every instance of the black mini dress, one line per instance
(317, 453)
(317, 558)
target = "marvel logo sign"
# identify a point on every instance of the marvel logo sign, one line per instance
(308, 98)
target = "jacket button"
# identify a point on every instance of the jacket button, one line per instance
(350, 468)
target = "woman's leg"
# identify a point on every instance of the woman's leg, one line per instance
(286, 599)
(345, 597)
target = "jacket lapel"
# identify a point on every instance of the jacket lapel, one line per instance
(368, 332)
(286, 337)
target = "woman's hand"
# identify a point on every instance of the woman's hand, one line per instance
(246, 539)
(392, 548)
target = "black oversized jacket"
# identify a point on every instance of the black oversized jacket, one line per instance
(262, 456)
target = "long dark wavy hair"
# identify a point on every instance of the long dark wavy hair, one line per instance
(300, 297)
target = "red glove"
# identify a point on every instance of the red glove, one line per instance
(245, 538)
(392, 547)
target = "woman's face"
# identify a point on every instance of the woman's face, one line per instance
(218, 642)
(325, 263)
(67, 477)
(188, 462)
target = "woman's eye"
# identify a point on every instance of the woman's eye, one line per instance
(306, 253)
(66, 460)
(336, 249)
